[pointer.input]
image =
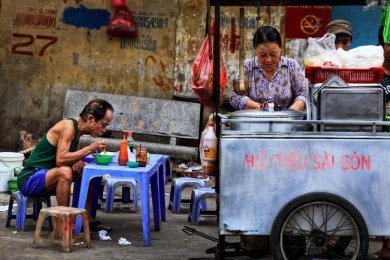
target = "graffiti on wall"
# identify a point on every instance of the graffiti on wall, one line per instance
(230, 41)
(83, 17)
(150, 21)
(159, 71)
(76, 1)
(143, 43)
(36, 18)
(27, 40)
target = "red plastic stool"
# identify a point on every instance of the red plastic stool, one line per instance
(63, 227)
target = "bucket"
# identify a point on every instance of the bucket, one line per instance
(5, 176)
(12, 160)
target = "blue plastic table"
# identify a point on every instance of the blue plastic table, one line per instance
(153, 173)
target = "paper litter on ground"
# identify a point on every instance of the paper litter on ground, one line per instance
(194, 169)
(123, 241)
(103, 235)
(183, 166)
(3, 208)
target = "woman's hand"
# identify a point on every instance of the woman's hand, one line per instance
(254, 105)
(298, 105)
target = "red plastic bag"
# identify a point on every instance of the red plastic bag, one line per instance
(202, 72)
(123, 24)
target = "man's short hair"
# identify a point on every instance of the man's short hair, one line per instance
(97, 108)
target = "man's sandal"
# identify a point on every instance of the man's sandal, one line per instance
(96, 226)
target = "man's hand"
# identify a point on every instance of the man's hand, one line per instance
(77, 169)
(99, 145)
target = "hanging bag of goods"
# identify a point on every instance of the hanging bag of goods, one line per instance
(122, 25)
(202, 72)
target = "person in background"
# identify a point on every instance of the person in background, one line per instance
(56, 160)
(343, 31)
(271, 76)
(385, 82)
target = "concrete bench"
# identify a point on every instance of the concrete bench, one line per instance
(162, 126)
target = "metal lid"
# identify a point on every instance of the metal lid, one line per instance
(292, 114)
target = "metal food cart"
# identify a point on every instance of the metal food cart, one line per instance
(318, 191)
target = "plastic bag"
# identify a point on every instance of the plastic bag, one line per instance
(361, 57)
(321, 52)
(123, 24)
(202, 72)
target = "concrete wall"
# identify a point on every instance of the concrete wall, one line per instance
(49, 46)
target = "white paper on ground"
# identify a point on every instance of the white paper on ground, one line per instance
(123, 241)
(103, 235)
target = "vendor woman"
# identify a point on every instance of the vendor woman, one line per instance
(271, 76)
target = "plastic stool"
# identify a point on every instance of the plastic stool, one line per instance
(112, 183)
(176, 189)
(63, 227)
(21, 211)
(198, 199)
(168, 168)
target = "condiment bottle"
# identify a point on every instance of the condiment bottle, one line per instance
(123, 156)
(130, 140)
(210, 144)
(141, 156)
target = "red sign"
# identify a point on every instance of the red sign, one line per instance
(307, 21)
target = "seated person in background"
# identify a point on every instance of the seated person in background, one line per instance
(56, 160)
(271, 76)
(343, 31)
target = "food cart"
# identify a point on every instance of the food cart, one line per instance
(318, 187)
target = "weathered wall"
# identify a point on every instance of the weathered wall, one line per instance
(49, 46)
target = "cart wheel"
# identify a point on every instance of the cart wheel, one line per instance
(319, 225)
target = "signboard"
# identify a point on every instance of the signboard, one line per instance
(307, 21)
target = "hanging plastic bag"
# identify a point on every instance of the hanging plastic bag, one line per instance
(118, 3)
(321, 52)
(123, 24)
(202, 72)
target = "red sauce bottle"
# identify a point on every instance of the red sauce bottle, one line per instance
(123, 156)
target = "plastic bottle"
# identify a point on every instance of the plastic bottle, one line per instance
(130, 146)
(123, 156)
(130, 140)
(209, 144)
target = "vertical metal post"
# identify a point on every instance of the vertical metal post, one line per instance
(216, 82)
(216, 93)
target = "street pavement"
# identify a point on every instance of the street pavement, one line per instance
(168, 243)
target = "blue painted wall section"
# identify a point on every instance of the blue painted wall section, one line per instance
(365, 24)
(83, 17)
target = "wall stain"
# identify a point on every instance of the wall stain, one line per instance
(83, 17)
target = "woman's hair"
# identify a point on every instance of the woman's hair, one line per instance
(266, 34)
(96, 108)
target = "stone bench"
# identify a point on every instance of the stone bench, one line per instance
(162, 126)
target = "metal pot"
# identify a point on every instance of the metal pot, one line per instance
(265, 121)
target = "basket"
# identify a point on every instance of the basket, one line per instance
(319, 74)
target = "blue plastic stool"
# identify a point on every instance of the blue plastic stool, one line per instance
(21, 212)
(113, 183)
(198, 200)
(168, 168)
(177, 187)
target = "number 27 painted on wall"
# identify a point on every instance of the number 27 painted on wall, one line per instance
(30, 41)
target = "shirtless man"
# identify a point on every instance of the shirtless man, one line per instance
(56, 160)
